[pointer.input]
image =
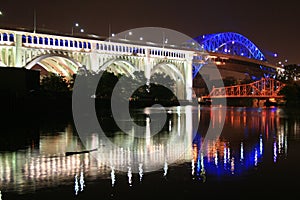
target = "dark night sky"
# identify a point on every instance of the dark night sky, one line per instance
(273, 26)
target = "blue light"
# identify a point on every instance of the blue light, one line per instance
(239, 44)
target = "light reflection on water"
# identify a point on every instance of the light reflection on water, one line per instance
(250, 136)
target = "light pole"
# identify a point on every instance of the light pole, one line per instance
(76, 25)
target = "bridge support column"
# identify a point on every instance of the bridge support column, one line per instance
(148, 65)
(18, 52)
(93, 63)
(188, 73)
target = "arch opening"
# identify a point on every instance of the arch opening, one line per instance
(119, 67)
(56, 64)
(174, 73)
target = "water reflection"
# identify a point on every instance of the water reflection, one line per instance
(250, 136)
(246, 135)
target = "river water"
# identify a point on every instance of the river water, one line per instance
(200, 151)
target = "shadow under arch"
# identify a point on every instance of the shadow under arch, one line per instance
(174, 73)
(123, 67)
(60, 66)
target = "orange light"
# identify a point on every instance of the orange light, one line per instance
(272, 100)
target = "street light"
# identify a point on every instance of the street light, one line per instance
(129, 33)
(76, 26)
(1, 13)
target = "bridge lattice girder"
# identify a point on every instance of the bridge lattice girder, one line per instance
(230, 43)
(264, 88)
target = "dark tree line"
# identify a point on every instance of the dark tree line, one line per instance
(58, 85)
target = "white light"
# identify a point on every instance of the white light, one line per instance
(113, 177)
(81, 181)
(242, 151)
(76, 187)
(129, 174)
(1, 13)
(113, 35)
(279, 62)
(255, 157)
(165, 169)
(76, 24)
(81, 30)
(232, 42)
(141, 38)
(141, 171)
(130, 33)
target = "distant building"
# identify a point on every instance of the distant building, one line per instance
(291, 73)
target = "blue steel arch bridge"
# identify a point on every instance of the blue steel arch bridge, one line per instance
(236, 48)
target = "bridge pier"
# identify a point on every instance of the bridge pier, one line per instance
(188, 66)
(18, 52)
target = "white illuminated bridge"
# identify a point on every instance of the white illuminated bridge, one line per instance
(66, 55)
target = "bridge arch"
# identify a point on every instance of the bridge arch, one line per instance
(56, 63)
(230, 43)
(169, 69)
(174, 73)
(121, 67)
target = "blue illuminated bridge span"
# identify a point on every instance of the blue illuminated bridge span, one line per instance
(233, 52)
(232, 44)
(66, 55)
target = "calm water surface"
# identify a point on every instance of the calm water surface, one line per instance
(258, 147)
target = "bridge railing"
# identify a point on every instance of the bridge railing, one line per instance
(7, 37)
(55, 42)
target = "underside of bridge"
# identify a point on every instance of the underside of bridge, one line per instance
(62, 66)
(67, 67)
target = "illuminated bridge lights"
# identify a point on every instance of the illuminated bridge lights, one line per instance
(230, 43)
